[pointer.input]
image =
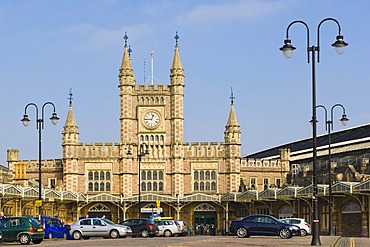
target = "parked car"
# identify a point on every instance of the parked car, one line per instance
(183, 227)
(301, 223)
(54, 228)
(168, 228)
(96, 227)
(22, 229)
(142, 227)
(266, 225)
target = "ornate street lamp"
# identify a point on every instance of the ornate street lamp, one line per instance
(39, 125)
(329, 126)
(142, 151)
(288, 49)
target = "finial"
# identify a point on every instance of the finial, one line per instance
(125, 38)
(70, 96)
(232, 96)
(177, 38)
(129, 51)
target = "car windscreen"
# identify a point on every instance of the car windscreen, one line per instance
(108, 221)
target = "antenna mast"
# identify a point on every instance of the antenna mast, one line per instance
(144, 71)
(152, 55)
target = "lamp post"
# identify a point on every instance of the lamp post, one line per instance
(142, 151)
(329, 126)
(39, 125)
(288, 49)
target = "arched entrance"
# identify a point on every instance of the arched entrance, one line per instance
(285, 212)
(204, 216)
(100, 210)
(351, 220)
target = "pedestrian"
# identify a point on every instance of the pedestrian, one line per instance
(86, 216)
(2, 215)
(103, 216)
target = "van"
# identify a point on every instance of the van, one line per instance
(53, 228)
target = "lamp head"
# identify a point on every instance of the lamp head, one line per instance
(339, 45)
(344, 120)
(54, 118)
(25, 120)
(287, 48)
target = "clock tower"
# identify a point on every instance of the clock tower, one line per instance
(151, 115)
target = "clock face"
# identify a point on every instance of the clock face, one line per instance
(151, 119)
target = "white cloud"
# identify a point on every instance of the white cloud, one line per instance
(242, 9)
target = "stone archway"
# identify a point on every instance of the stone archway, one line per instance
(351, 220)
(204, 216)
(99, 210)
(285, 212)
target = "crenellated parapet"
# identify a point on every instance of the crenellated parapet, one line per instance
(261, 163)
(204, 149)
(151, 88)
(98, 150)
(33, 165)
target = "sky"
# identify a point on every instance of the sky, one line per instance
(48, 47)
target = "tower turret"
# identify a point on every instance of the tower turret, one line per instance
(126, 73)
(177, 121)
(70, 134)
(232, 148)
(232, 128)
(126, 86)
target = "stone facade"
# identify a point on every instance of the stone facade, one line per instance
(151, 119)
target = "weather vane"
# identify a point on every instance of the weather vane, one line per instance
(125, 38)
(177, 38)
(232, 96)
(70, 98)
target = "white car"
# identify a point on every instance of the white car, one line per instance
(301, 223)
(96, 227)
(168, 228)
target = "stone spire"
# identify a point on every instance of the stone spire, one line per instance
(126, 73)
(232, 132)
(70, 129)
(177, 72)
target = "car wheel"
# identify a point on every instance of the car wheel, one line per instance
(24, 239)
(50, 236)
(242, 232)
(167, 233)
(37, 241)
(285, 233)
(303, 232)
(114, 234)
(76, 235)
(144, 233)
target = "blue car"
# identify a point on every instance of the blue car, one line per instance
(265, 225)
(54, 228)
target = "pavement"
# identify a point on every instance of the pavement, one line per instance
(333, 241)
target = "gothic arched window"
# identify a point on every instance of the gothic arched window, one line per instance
(196, 186)
(91, 187)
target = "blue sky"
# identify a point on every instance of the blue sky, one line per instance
(48, 47)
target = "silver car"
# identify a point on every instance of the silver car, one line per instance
(96, 227)
(168, 228)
